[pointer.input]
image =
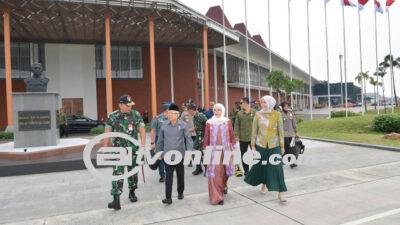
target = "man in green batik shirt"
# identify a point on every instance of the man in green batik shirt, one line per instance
(199, 122)
(127, 121)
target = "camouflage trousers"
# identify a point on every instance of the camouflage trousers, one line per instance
(117, 185)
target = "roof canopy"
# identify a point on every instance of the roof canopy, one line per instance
(82, 21)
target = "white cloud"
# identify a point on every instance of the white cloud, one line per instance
(257, 23)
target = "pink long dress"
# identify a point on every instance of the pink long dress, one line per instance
(219, 137)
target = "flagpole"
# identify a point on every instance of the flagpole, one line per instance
(245, 78)
(309, 60)
(269, 45)
(361, 63)
(247, 51)
(345, 62)
(327, 62)
(225, 66)
(376, 64)
(391, 61)
(290, 54)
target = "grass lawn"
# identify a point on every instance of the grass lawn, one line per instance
(354, 129)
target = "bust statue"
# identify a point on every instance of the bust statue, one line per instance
(36, 83)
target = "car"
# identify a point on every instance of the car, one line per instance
(81, 124)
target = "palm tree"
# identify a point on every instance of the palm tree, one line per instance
(388, 62)
(360, 78)
(381, 73)
(375, 83)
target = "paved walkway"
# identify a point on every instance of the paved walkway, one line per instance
(336, 184)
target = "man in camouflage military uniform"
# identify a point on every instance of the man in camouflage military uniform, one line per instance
(128, 121)
(199, 122)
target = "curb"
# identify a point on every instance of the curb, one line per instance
(387, 148)
(45, 167)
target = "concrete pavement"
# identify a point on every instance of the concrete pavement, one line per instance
(336, 184)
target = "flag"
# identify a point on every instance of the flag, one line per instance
(348, 3)
(389, 3)
(378, 7)
(361, 4)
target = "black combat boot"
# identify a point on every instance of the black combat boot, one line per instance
(115, 203)
(132, 196)
(198, 170)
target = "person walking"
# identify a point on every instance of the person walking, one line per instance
(290, 129)
(173, 136)
(188, 119)
(210, 113)
(268, 139)
(219, 138)
(154, 133)
(199, 122)
(243, 125)
(128, 121)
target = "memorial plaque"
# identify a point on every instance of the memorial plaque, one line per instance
(34, 120)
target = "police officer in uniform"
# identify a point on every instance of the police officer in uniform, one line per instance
(128, 121)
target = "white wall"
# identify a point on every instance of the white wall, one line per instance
(71, 70)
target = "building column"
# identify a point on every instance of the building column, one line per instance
(7, 56)
(206, 80)
(152, 68)
(171, 72)
(108, 65)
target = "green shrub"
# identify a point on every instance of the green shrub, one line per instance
(387, 123)
(6, 135)
(299, 120)
(97, 130)
(337, 114)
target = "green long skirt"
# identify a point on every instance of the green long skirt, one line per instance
(271, 175)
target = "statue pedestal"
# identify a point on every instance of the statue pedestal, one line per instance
(35, 119)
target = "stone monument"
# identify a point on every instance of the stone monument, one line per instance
(35, 113)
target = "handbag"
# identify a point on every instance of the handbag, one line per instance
(298, 146)
(155, 165)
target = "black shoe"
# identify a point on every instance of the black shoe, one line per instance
(245, 173)
(190, 164)
(132, 196)
(180, 196)
(221, 202)
(167, 201)
(198, 170)
(293, 166)
(225, 191)
(161, 180)
(115, 203)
